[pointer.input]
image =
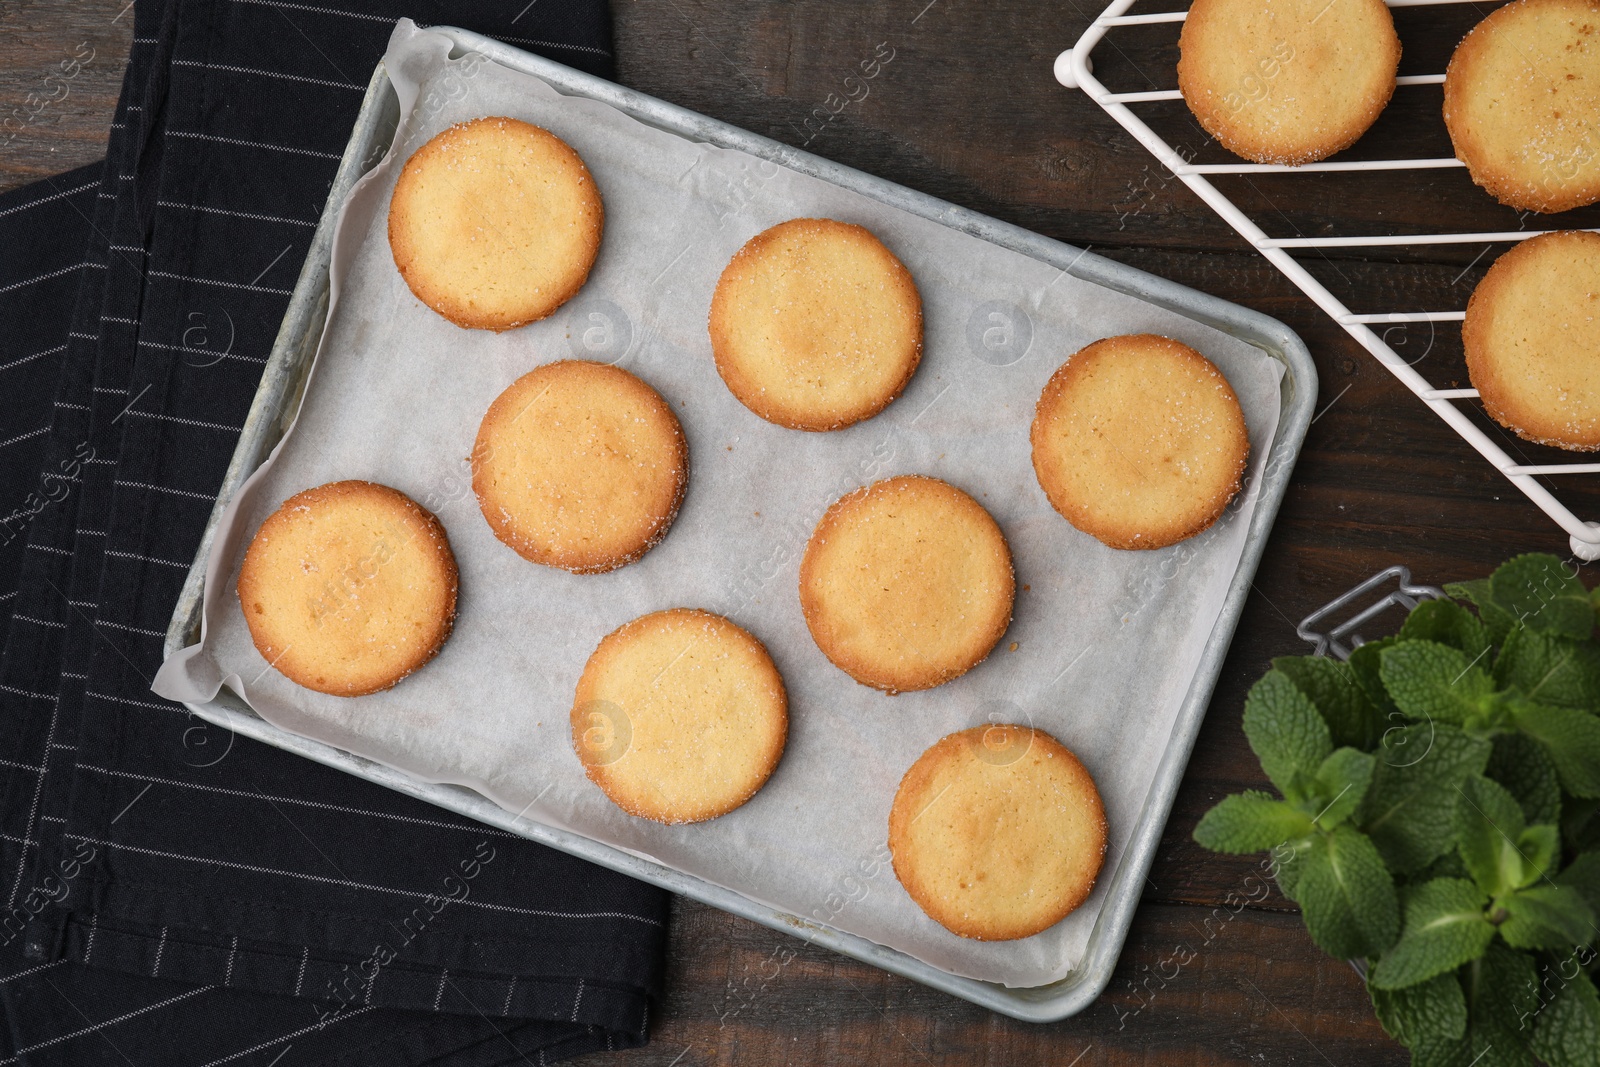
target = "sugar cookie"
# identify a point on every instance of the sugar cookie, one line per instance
(679, 716)
(1139, 441)
(348, 587)
(1287, 81)
(997, 832)
(495, 223)
(1532, 336)
(906, 584)
(1522, 103)
(580, 465)
(816, 325)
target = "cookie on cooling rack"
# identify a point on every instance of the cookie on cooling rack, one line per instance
(1532, 337)
(997, 832)
(1139, 441)
(1287, 81)
(815, 325)
(581, 466)
(679, 716)
(1522, 103)
(906, 584)
(495, 223)
(348, 587)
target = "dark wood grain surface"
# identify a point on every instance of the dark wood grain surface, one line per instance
(967, 110)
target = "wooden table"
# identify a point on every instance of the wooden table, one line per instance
(967, 110)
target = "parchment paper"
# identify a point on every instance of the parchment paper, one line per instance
(1106, 642)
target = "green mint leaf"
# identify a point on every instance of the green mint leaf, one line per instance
(1339, 786)
(1480, 1048)
(1444, 928)
(1550, 668)
(1571, 738)
(1547, 916)
(1285, 730)
(1332, 686)
(1495, 618)
(1501, 988)
(1448, 865)
(1250, 822)
(1537, 590)
(1501, 1002)
(1435, 682)
(1409, 810)
(1468, 1051)
(1347, 896)
(1474, 591)
(1540, 848)
(1429, 1012)
(1502, 994)
(1365, 663)
(1447, 623)
(1488, 822)
(1583, 874)
(1567, 1032)
(1579, 827)
(1520, 763)
(1288, 863)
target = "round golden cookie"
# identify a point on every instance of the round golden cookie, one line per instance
(679, 716)
(1522, 103)
(495, 223)
(816, 325)
(1287, 81)
(997, 832)
(349, 587)
(1139, 441)
(906, 584)
(581, 466)
(1532, 336)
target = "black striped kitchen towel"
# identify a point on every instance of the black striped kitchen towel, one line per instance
(174, 894)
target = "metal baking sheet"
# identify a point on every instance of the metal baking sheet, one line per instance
(284, 378)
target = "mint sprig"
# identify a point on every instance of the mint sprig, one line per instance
(1251, 822)
(1447, 623)
(1438, 814)
(1432, 1012)
(1541, 594)
(1347, 895)
(1550, 668)
(1436, 683)
(1353, 721)
(1445, 927)
(1499, 849)
(1285, 730)
(1547, 916)
(1571, 737)
(1567, 1031)
(1410, 810)
(1523, 766)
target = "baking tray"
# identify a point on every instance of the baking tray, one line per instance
(283, 382)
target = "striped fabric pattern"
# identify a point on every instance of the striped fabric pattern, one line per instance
(175, 894)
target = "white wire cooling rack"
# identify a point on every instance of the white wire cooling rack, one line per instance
(1074, 68)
